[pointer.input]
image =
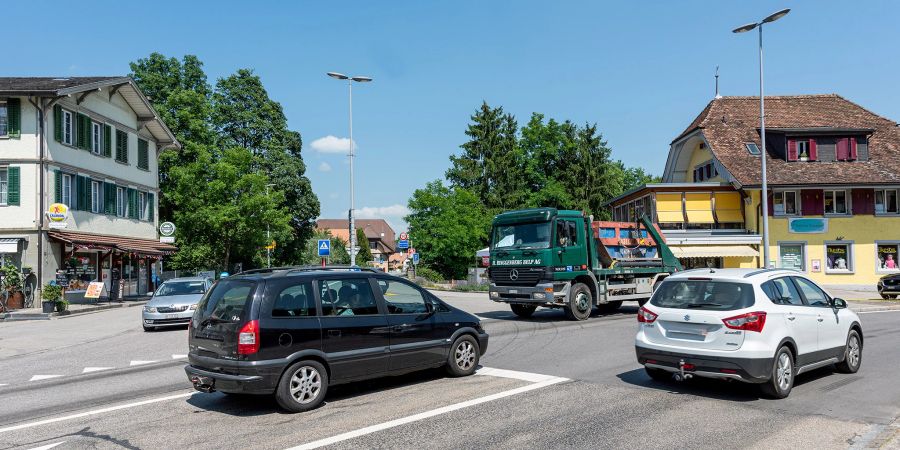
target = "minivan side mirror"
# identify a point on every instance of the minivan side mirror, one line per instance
(839, 303)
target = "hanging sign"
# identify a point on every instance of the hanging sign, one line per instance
(57, 213)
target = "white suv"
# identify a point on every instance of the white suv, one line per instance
(760, 326)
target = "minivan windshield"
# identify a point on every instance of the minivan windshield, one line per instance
(227, 301)
(703, 295)
(181, 288)
(522, 235)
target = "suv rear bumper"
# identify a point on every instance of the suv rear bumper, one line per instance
(749, 370)
(249, 377)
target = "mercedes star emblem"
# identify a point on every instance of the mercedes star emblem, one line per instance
(514, 274)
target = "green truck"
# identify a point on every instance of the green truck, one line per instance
(563, 259)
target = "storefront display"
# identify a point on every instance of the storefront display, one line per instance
(791, 257)
(888, 257)
(837, 257)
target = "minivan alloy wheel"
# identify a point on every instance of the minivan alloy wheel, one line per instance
(306, 384)
(785, 371)
(465, 355)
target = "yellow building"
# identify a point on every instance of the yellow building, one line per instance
(833, 178)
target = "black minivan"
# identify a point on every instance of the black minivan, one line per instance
(295, 331)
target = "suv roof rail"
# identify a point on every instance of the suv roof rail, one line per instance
(332, 268)
(766, 270)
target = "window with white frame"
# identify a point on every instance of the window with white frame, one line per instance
(4, 119)
(836, 202)
(96, 137)
(887, 256)
(66, 190)
(886, 201)
(142, 206)
(839, 257)
(121, 202)
(68, 135)
(784, 203)
(4, 186)
(803, 149)
(95, 197)
(792, 256)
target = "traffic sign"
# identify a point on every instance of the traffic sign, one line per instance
(403, 244)
(324, 247)
(404, 236)
(167, 228)
(415, 258)
(411, 251)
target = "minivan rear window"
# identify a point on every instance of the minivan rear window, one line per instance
(227, 301)
(703, 295)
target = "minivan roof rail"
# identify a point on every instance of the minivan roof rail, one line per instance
(290, 269)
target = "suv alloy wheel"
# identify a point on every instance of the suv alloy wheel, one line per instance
(302, 387)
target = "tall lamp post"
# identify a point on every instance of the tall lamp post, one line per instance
(268, 234)
(764, 196)
(350, 81)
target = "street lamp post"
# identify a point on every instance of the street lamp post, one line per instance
(350, 81)
(268, 235)
(764, 196)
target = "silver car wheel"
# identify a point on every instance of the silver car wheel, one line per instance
(465, 355)
(306, 383)
(853, 351)
(784, 371)
(582, 302)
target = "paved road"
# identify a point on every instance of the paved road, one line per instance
(547, 383)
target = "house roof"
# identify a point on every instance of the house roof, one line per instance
(59, 87)
(728, 123)
(372, 227)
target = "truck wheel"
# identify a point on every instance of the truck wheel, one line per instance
(610, 307)
(580, 302)
(523, 311)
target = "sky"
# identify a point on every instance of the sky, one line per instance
(640, 70)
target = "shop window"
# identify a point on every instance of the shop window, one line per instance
(886, 201)
(886, 259)
(785, 203)
(839, 257)
(836, 202)
(792, 256)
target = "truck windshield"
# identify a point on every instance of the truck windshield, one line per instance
(521, 235)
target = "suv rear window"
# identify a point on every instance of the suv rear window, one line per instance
(227, 301)
(703, 295)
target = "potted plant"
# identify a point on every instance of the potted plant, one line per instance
(51, 295)
(12, 284)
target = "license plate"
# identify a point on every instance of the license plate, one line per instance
(171, 316)
(513, 291)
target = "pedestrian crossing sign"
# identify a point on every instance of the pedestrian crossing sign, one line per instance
(324, 247)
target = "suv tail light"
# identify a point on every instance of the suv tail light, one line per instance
(754, 321)
(644, 315)
(248, 338)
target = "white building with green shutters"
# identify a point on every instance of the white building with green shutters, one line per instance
(92, 144)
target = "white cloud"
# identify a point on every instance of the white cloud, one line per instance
(332, 144)
(324, 167)
(393, 214)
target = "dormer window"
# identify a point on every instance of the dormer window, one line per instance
(802, 149)
(705, 171)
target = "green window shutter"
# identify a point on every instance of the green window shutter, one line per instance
(143, 161)
(79, 193)
(107, 141)
(151, 200)
(109, 197)
(57, 123)
(121, 146)
(58, 177)
(88, 132)
(80, 132)
(12, 196)
(129, 196)
(14, 117)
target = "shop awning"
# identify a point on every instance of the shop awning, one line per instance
(9, 245)
(145, 247)
(712, 251)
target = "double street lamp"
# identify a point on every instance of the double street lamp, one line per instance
(350, 81)
(764, 197)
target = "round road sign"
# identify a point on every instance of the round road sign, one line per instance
(404, 236)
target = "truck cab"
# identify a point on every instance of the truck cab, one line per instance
(553, 258)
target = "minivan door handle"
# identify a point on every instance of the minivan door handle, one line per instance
(334, 333)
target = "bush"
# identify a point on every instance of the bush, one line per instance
(12, 279)
(429, 274)
(472, 288)
(51, 293)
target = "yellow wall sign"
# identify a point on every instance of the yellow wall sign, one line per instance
(58, 213)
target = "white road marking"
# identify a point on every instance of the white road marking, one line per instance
(95, 369)
(524, 376)
(46, 447)
(179, 356)
(43, 377)
(4, 384)
(138, 363)
(428, 414)
(95, 412)
(879, 311)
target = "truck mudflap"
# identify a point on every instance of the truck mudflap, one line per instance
(540, 294)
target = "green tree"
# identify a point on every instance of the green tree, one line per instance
(448, 225)
(634, 177)
(365, 253)
(339, 254)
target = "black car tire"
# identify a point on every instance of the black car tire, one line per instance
(610, 307)
(888, 296)
(774, 388)
(523, 311)
(463, 357)
(311, 378)
(658, 374)
(852, 354)
(579, 307)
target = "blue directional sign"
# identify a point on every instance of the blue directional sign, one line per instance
(415, 258)
(324, 247)
(403, 244)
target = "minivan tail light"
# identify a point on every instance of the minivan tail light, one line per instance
(248, 338)
(644, 315)
(754, 321)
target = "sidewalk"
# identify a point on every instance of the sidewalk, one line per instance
(74, 309)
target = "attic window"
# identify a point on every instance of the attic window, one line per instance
(752, 148)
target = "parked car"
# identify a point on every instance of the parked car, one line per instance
(889, 286)
(757, 326)
(174, 302)
(295, 332)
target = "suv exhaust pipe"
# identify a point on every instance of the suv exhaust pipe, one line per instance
(203, 384)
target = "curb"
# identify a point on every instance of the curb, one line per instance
(13, 317)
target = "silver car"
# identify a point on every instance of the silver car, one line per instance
(174, 302)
